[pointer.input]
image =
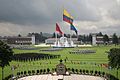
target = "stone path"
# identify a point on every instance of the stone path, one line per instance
(71, 77)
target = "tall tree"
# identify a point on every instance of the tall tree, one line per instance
(90, 38)
(41, 33)
(105, 38)
(6, 54)
(119, 40)
(115, 39)
(100, 34)
(114, 58)
(65, 35)
(53, 36)
(19, 35)
(68, 35)
(84, 38)
(74, 36)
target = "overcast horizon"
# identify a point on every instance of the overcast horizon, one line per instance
(90, 16)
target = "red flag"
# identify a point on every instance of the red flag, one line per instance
(58, 29)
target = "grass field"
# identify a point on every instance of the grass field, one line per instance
(80, 61)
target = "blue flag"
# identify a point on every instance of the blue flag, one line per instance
(72, 27)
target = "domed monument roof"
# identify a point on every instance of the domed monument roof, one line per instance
(63, 39)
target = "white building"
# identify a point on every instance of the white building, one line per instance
(53, 40)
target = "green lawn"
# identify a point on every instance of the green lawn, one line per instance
(80, 61)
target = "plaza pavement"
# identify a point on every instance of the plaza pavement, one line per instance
(71, 77)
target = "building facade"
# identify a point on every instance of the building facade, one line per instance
(18, 40)
(96, 40)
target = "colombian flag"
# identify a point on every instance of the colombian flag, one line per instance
(72, 27)
(67, 17)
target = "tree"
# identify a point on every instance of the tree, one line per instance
(53, 36)
(79, 37)
(100, 34)
(68, 35)
(19, 35)
(114, 58)
(105, 38)
(90, 38)
(119, 40)
(6, 54)
(65, 35)
(115, 39)
(74, 36)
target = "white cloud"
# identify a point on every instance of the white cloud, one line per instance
(118, 2)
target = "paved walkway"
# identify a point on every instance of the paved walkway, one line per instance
(71, 77)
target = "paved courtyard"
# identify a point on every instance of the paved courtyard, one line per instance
(71, 77)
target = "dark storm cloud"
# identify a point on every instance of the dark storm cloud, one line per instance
(42, 11)
(28, 11)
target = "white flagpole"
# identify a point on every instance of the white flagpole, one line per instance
(63, 35)
(56, 38)
(70, 37)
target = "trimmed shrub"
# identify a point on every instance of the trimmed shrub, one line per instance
(68, 69)
(33, 72)
(80, 71)
(55, 69)
(76, 71)
(73, 70)
(91, 72)
(99, 73)
(25, 72)
(48, 70)
(29, 72)
(44, 71)
(41, 71)
(38, 71)
(21, 73)
(83, 71)
(18, 73)
(87, 72)
(103, 73)
(96, 72)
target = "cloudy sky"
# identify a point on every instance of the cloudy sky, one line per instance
(90, 16)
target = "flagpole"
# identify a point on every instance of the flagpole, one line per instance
(63, 35)
(70, 37)
(62, 16)
(56, 39)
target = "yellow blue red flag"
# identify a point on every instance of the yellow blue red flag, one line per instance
(67, 17)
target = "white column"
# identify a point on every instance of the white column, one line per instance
(93, 39)
(33, 39)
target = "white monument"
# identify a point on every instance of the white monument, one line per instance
(63, 42)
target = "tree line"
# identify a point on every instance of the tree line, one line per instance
(39, 37)
(88, 38)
